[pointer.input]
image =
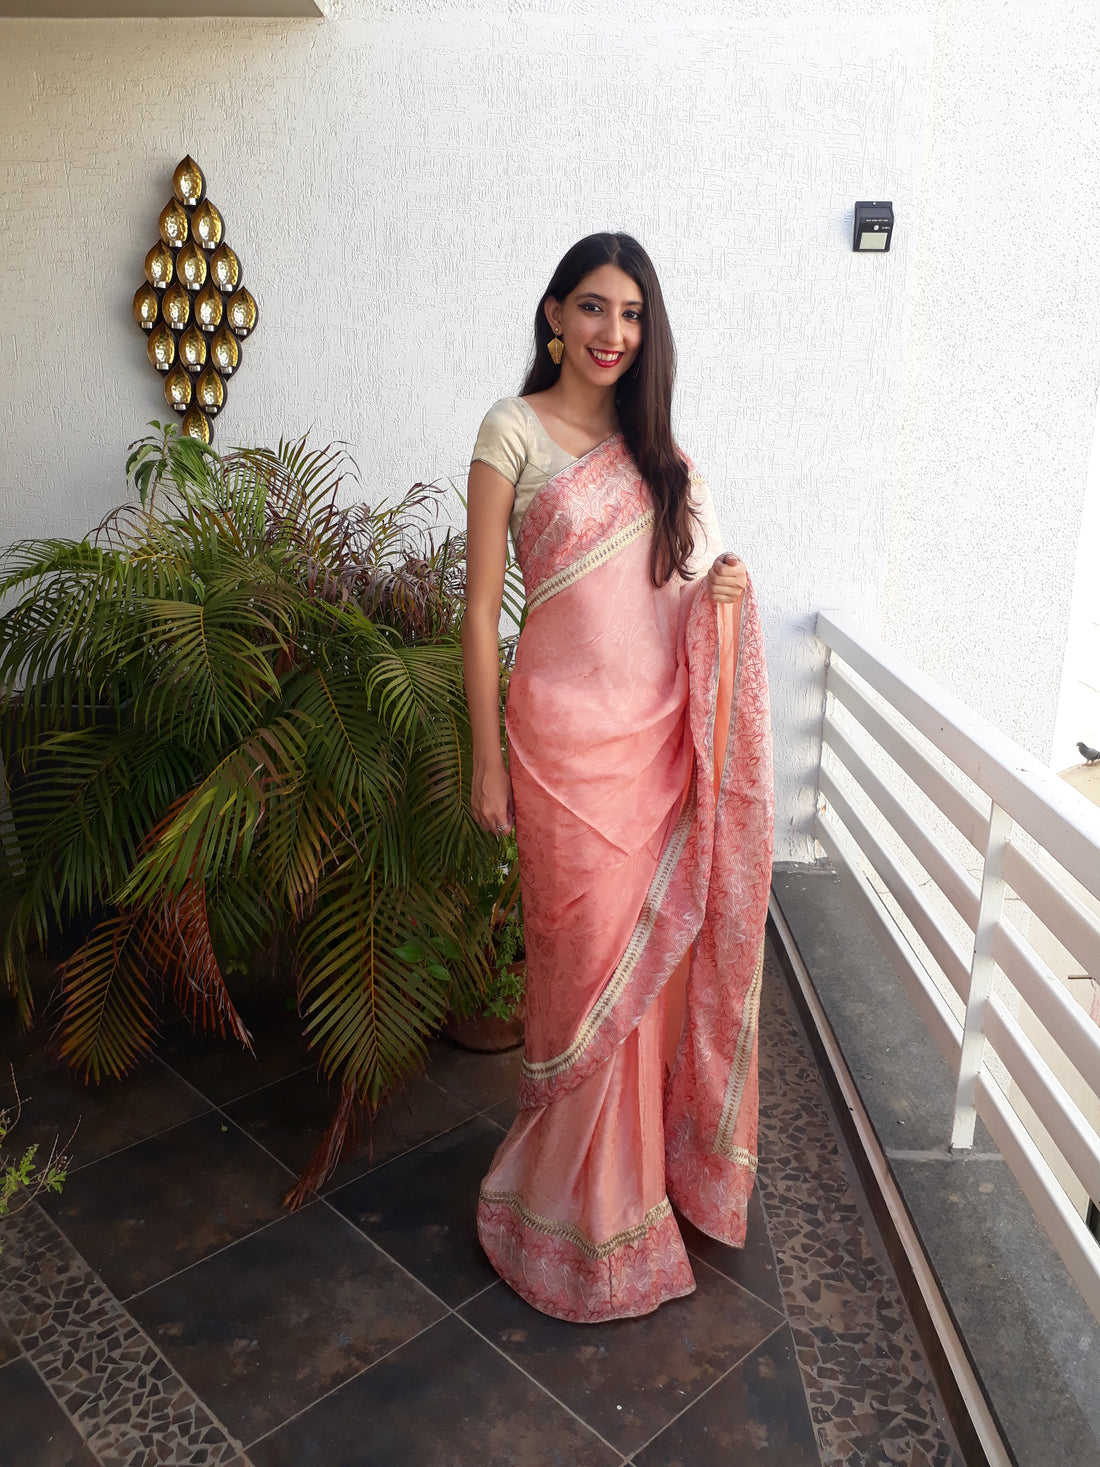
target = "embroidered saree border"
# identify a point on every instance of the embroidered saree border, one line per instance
(555, 1228)
(739, 1072)
(643, 929)
(595, 557)
(642, 1268)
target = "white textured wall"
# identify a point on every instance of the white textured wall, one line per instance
(1003, 360)
(1078, 719)
(400, 181)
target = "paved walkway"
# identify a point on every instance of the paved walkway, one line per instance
(165, 1309)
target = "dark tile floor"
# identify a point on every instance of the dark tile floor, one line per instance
(165, 1309)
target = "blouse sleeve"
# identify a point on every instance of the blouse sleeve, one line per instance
(502, 440)
(708, 532)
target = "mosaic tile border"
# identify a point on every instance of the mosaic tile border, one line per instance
(872, 1399)
(127, 1402)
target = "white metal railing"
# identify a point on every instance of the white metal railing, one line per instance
(1021, 796)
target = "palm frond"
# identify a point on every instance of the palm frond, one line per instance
(109, 1021)
(179, 944)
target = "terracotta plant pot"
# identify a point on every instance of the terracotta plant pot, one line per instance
(485, 1033)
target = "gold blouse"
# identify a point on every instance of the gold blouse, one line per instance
(513, 441)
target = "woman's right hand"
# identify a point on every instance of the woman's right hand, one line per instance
(491, 799)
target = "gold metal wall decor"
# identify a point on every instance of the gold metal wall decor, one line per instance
(193, 305)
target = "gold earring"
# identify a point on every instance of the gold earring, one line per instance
(555, 346)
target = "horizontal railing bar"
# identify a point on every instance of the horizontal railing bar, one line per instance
(964, 812)
(1056, 1214)
(1061, 1221)
(1059, 1113)
(1073, 924)
(1064, 1019)
(940, 942)
(927, 999)
(1059, 818)
(960, 889)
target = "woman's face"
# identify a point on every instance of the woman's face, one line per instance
(600, 323)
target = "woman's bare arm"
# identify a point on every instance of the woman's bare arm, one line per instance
(488, 505)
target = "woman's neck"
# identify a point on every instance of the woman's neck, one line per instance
(586, 407)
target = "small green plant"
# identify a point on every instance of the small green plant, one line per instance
(174, 457)
(22, 1177)
(500, 901)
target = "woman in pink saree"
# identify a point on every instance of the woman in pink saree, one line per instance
(639, 779)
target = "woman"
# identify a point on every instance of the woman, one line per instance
(639, 780)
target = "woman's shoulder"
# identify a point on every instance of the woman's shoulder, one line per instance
(502, 438)
(506, 412)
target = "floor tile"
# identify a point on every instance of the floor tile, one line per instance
(290, 1118)
(502, 1114)
(630, 1377)
(479, 1080)
(446, 1399)
(22, 1050)
(422, 1208)
(863, 1368)
(146, 1212)
(223, 1070)
(757, 1411)
(91, 1121)
(753, 1266)
(98, 1364)
(34, 1431)
(267, 1327)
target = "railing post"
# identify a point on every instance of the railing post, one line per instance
(990, 906)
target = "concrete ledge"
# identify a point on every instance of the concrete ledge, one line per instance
(160, 10)
(1032, 1345)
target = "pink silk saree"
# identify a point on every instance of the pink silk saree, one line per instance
(640, 758)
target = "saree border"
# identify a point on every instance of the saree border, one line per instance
(632, 954)
(566, 469)
(556, 1228)
(604, 551)
(739, 1072)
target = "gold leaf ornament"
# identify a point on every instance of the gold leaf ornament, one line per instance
(146, 306)
(176, 306)
(210, 392)
(158, 266)
(225, 352)
(174, 224)
(192, 349)
(196, 425)
(177, 389)
(207, 226)
(161, 347)
(241, 313)
(225, 269)
(191, 266)
(193, 306)
(188, 183)
(209, 308)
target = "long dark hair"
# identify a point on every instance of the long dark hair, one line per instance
(643, 394)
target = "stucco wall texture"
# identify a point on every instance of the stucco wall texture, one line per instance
(1003, 361)
(399, 182)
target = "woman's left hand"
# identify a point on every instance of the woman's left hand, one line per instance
(727, 579)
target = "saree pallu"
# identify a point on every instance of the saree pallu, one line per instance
(640, 759)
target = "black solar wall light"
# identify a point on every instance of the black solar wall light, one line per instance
(874, 225)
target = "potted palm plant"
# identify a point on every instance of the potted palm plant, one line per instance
(232, 715)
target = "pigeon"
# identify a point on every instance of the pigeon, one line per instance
(1090, 756)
